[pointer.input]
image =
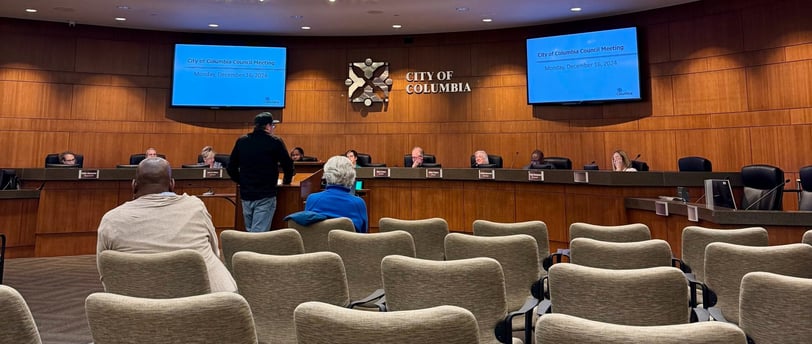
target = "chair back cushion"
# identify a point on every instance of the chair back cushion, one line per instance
(535, 229)
(621, 233)
(154, 275)
(212, 318)
(319, 323)
(285, 241)
(695, 239)
(428, 234)
(314, 236)
(620, 255)
(758, 180)
(17, 325)
(641, 297)
(766, 297)
(559, 163)
(694, 163)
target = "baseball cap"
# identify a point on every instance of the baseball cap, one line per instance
(264, 118)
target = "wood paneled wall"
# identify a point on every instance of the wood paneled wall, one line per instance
(729, 80)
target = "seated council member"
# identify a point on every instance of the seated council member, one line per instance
(159, 220)
(480, 158)
(417, 157)
(353, 156)
(67, 158)
(337, 200)
(151, 153)
(537, 161)
(621, 162)
(208, 153)
(297, 154)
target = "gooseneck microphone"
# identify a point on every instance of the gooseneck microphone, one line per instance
(637, 157)
(767, 194)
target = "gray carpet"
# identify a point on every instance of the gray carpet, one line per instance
(55, 289)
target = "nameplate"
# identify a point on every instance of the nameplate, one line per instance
(580, 177)
(380, 172)
(212, 173)
(486, 174)
(88, 174)
(434, 173)
(535, 176)
(661, 208)
(693, 213)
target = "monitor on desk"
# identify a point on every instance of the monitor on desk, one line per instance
(359, 184)
(718, 193)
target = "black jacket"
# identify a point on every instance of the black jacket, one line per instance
(255, 162)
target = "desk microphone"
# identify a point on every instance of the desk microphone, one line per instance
(767, 194)
(637, 157)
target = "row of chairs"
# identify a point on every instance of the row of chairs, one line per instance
(52, 160)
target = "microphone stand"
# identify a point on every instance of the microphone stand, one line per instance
(767, 194)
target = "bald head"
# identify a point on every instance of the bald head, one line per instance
(153, 175)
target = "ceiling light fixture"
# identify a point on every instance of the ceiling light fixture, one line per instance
(123, 7)
(397, 26)
(462, 9)
(305, 28)
(121, 19)
(31, 10)
(487, 20)
(213, 25)
(576, 9)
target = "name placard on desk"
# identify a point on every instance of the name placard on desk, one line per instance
(693, 213)
(212, 173)
(486, 174)
(535, 176)
(434, 173)
(661, 208)
(380, 172)
(580, 177)
(88, 174)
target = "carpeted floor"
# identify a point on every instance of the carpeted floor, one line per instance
(55, 289)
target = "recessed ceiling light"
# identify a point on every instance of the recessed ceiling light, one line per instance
(121, 18)
(487, 20)
(123, 7)
(462, 9)
(296, 17)
(213, 25)
(576, 9)
(305, 28)
(332, 0)
(397, 26)
(31, 10)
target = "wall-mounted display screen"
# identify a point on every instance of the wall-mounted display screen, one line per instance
(584, 67)
(228, 76)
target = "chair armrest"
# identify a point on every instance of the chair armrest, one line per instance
(504, 330)
(554, 258)
(374, 296)
(678, 263)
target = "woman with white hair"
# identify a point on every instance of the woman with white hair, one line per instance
(337, 200)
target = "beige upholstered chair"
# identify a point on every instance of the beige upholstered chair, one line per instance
(518, 256)
(428, 234)
(362, 254)
(726, 264)
(622, 233)
(476, 284)
(212, 318)
(695, 239)
(807, 239)
(321, 323)
(620, 255)
(314, 236)
(17, 325)
(659, 294)
(275, 285)
(776, 308)
(566, 329)
(154, 275)
(281, 241)
(535, 229)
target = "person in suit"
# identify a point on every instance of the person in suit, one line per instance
(159, 220)
(67, 158)
(621, 162)
(480, 158)
(337, 199)
(417, 157)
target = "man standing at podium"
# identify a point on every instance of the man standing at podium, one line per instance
(254, 165)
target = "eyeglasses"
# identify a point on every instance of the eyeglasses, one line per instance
(69, 160)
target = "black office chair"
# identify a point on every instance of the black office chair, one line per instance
(640, 165)
(805, 199)
(365, 160)
(592, 166)
(223, 159)
(136, 159)
(694, 164)
(763, 187)
(428, 161)
(559, 163)
(494, 161)
(52, 160)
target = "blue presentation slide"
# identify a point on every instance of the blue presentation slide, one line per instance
(583, 67)
(228, 76)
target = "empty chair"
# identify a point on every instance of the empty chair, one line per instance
(52, 160)
(429, 160)
(694, 164)
(476, 284)
(154, 275)
(365, 160)
(136, 159)
(535, 229)
(428, 234)
(275, 285)
(314, 236)
(321, 323)
(621, 233)
(726, 264)
(805, 197)
(566, 329)
(776, 308)
(763, 187)
(695, 239)
(620, 255)
(284, 241)
(494, 161)
(559, 163)
(362, 254)
(641, 166)
(518, 256)
(18, 324)
(212, 318)
(659, 294)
